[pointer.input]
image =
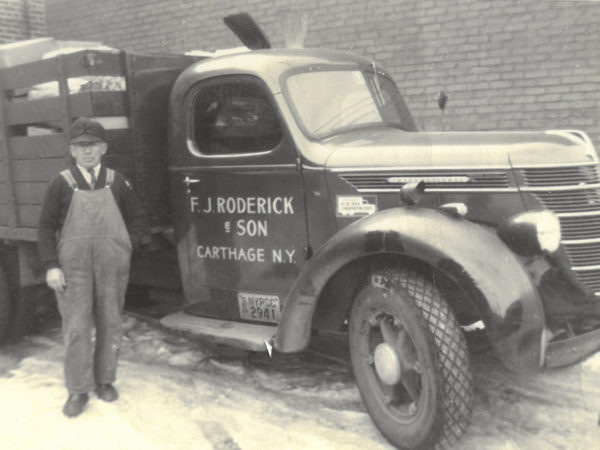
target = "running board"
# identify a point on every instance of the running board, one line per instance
(247, 336)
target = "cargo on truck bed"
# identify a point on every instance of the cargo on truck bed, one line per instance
(127, 93)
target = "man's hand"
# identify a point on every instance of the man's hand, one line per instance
(55, 278)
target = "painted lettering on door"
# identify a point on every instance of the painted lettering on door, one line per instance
(258, 214)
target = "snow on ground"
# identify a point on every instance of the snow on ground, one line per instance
(178, 393)
(551, 409)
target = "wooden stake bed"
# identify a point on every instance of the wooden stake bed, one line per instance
(38, 100)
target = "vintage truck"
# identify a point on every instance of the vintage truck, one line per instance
(290, 191)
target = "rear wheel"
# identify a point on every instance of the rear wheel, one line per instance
(17, 305)
(23, 312)
(5, 306)
(410, 361)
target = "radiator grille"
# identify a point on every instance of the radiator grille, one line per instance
(582, 255)
(580, 227)
(561, 176)
(580, 201)
(591, 279)
(573, 194)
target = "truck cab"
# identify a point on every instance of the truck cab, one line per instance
(305, 198)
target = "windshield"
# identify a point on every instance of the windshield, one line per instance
(327, 102)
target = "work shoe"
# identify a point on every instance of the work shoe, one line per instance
(75, 404)
(107, 392)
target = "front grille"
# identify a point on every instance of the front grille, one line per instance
(591, 279)
(582, 255)
(561, 176)
(434, 180)
(580, 201)
(580, 227)
(573, 193)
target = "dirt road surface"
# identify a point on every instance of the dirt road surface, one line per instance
(179, 393)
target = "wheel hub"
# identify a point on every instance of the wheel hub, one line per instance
(387, 364)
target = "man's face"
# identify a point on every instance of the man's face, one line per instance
(88, 154)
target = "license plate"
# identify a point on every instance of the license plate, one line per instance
(259, 307)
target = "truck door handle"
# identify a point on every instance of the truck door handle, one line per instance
(187, 181)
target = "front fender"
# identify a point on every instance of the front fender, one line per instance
(475, 258)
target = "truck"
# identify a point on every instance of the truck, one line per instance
(290, 192)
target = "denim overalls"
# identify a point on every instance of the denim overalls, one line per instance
(94, 252)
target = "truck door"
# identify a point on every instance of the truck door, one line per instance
(240, 206)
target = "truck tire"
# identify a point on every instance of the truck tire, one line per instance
(23, 312)
(410, 360)
(17, 308)
(5, 306)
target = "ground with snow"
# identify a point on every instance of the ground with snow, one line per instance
(179, 393)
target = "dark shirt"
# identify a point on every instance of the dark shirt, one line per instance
(56, 205)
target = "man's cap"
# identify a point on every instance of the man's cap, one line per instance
(85, 129)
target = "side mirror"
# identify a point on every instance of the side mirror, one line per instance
(442, 100)
(411, 193)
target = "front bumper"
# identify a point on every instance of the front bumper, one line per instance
(572, 350)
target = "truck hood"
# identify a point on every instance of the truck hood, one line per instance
(388, 148)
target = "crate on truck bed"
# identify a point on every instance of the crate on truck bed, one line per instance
(127, 93)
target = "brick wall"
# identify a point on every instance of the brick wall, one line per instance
(505, 64)
(21, 19)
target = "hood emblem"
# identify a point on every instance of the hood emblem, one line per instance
(405, 180)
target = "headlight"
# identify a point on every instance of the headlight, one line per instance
(548, 231)
(531, 232)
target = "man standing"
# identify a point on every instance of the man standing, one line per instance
(90, 220)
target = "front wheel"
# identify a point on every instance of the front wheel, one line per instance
(410, 360)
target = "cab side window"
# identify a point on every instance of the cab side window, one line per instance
(235, 118)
